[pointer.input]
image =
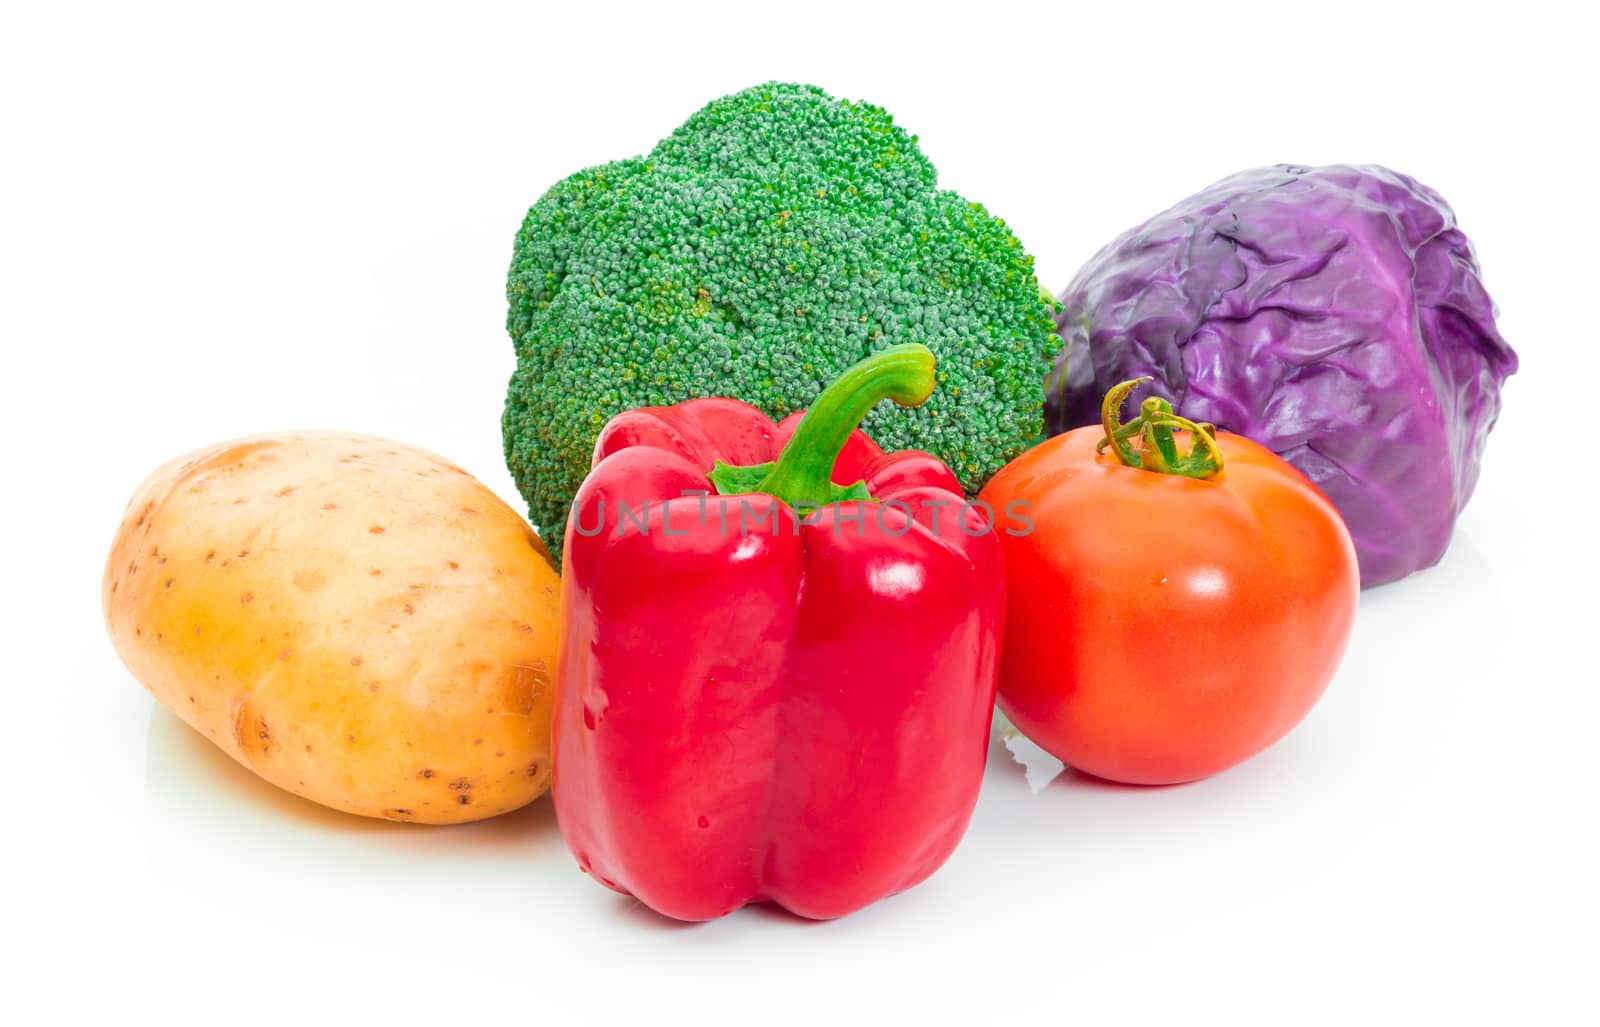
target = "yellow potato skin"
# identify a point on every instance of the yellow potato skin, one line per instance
(358, 621)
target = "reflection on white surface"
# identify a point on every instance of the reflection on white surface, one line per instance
(197, 798)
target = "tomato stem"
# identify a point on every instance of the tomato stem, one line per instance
(1158, 450)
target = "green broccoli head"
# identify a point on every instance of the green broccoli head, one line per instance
(773, 240)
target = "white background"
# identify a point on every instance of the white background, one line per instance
(217, 221)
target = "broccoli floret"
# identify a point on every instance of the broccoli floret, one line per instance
(773, 240)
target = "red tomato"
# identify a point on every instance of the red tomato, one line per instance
(1162, 628)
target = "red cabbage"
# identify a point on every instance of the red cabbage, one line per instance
(1336, 315)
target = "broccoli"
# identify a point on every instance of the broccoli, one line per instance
(773, 240)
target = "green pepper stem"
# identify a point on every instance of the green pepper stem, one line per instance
(803, 475)
(1158, 450)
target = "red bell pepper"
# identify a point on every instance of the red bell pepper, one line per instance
(773, 687)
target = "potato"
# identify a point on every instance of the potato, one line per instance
(357, 621)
